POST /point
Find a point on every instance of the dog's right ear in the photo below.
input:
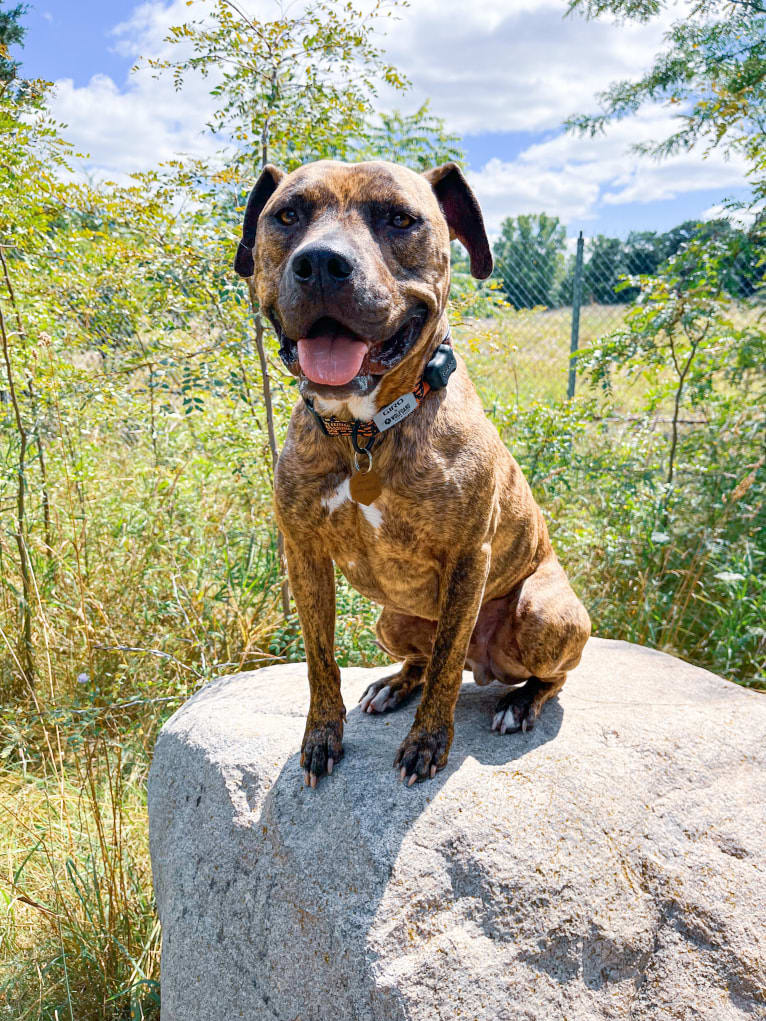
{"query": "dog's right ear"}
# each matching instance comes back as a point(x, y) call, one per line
point(463, 215)
point(264, 188)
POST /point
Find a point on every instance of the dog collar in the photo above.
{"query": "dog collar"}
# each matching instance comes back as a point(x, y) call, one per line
point(435, 376)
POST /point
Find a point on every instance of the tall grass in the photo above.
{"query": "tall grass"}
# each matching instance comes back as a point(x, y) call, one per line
point(78, 930)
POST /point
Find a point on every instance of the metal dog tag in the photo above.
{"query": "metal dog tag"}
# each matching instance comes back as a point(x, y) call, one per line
point(395, 412)
point(365, 487)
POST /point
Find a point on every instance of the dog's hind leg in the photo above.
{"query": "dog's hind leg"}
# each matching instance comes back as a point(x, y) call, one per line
point(539, 640)
point(520, 707)
point(390, 692)
point(409, 639)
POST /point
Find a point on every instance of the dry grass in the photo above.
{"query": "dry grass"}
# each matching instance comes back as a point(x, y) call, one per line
point(78, 934)
point(522, 355)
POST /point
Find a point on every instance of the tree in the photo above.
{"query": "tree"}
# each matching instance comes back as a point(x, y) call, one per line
point(469, 297)
point(417, 140)
point(740, 258)
point(12, 33)
point(29, 197)
point(683, 337)
point(713, 72)
point(291, 89)
point(604, 267)
point(528, 255)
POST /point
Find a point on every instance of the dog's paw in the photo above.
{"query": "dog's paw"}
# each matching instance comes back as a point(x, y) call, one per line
point(387, 694)
point(322, 747)
point(519, 709)
point(422, 753)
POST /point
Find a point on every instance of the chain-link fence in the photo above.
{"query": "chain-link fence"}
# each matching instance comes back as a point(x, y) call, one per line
point(545, 303)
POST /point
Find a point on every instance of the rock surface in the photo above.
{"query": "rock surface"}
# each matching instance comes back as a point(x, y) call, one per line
point(609, 864)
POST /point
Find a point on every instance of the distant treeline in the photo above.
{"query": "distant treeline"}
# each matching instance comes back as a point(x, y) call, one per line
point(532, 266)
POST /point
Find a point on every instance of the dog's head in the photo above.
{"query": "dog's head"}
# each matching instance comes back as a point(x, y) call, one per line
point(352, 267)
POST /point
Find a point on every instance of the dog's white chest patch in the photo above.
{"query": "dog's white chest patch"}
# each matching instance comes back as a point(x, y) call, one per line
point(332, 501)
point(372, 513)
point(339, 496)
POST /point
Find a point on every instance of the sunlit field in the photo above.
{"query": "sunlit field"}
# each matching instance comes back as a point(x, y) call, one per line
point(521, 356)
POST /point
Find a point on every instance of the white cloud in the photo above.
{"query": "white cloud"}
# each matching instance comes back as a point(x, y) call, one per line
point(489, 66)
point(570, 176)
point(514, 65)
point(569, 191)
point(126, 130)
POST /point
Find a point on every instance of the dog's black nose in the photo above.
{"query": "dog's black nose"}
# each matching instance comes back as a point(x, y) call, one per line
point(321, 264)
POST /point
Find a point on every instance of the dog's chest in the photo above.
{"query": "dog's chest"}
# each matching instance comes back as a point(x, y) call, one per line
point(383, 548)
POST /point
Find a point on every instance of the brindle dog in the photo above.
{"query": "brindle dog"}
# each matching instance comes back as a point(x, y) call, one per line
point(352, 267)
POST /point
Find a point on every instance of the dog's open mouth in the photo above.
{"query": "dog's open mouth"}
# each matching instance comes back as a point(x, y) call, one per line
point(332, 354)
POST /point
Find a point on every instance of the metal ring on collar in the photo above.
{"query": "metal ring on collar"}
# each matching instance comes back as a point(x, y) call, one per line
point(369, 460)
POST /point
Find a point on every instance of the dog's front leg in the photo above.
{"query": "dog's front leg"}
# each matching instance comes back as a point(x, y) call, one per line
point(427, 745)
point(312, 580)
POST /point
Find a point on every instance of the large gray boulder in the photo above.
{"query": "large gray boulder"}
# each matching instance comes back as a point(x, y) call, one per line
point(608, 864)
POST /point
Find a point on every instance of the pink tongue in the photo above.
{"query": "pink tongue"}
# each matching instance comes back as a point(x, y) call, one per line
point(332, 360)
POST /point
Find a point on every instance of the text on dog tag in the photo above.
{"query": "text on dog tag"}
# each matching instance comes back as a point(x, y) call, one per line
point(395, 412)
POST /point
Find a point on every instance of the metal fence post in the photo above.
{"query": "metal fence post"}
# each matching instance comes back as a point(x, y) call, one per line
point(576, 302)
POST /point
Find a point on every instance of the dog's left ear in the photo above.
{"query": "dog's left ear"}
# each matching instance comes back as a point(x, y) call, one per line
point(463, 215)
point(264, 188)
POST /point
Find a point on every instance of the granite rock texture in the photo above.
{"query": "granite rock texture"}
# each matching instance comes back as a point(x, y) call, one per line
point(611, 863)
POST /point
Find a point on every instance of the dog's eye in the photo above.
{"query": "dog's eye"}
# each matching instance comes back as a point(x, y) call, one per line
point(287, 217)
point(401, 220)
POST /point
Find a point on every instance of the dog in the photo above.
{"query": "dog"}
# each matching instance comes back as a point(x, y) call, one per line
point(390, 469)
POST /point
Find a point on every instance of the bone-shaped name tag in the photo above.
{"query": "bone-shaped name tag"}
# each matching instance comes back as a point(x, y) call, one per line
point(395, 412)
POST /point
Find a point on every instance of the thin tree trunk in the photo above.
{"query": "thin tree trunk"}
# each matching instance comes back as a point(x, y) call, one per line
point(271, 431)
point(36, 411)
point(25, 638)
point(266, 385)
point(266, 379)
point(682, 373)
point(45, 501)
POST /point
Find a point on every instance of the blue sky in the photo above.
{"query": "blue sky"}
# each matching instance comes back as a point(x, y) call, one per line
point(504, 73)
point(71, 40)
